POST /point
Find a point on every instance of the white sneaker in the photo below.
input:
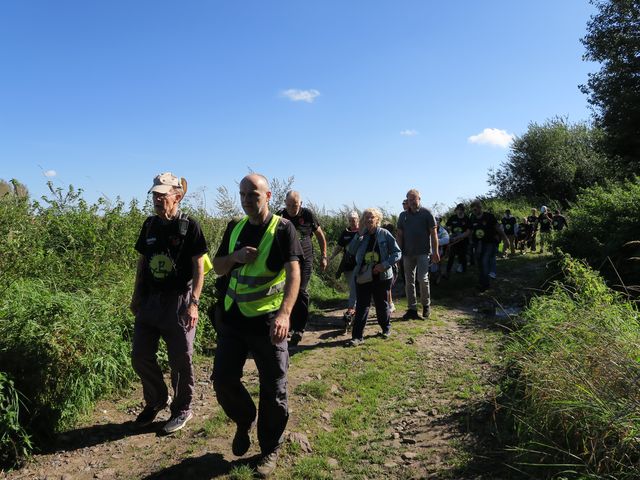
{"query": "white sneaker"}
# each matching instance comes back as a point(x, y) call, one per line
point(177, 422)
point(492, 275)
point(459, 269)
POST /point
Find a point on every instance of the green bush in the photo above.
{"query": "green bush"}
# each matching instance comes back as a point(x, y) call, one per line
point(575, 367)
point(64, 350)
point(603, 219)
point(15, 443)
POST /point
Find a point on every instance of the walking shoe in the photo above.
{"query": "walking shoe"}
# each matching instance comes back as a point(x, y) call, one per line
point(460, 269)
point(386, 334)
point(267, 464)
point(426, 312)
point(149, 413)
point(411, 314)
point(242, 440)
point(295, 339)
point(392, 307)
point(177, 422)
point(492, 275)
point(354, 342)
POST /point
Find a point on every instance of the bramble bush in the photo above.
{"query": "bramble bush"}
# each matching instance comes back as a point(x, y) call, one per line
point(603, 220)
point(574, 364)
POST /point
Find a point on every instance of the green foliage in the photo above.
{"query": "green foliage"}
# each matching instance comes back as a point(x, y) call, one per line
point(613, 41)
point(575, 365)
point(64, 350)
point(603, 220)
point(15, 442)
point(553, 160)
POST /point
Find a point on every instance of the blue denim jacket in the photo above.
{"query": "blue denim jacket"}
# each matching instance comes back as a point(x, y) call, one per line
point(389, 251)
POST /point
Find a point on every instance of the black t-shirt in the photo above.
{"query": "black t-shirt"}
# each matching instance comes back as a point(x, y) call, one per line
point(559, 222)
point(509, 225)
point(523, 230)
point(533, 222)
point(372, 254)
point(484, 228)
point(347, 263)
point(168, 253)
point(545, 222)
point(345, 237)
point(457, 226)
point(286, 248)
point(305, 223)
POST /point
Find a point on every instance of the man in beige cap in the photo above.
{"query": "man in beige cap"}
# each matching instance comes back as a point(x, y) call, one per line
point(165, 302)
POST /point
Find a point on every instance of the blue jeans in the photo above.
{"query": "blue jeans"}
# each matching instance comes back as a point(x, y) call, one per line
point(485, 258)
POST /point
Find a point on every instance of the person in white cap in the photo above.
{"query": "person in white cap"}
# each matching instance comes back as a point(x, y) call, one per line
point(165, 302)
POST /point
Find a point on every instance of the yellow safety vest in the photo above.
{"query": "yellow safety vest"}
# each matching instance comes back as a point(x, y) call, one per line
point(256, 289)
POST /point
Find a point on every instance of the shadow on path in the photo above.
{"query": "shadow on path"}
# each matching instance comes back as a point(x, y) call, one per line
point(210, 465)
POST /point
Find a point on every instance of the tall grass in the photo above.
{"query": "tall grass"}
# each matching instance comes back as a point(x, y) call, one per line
point(576, 371)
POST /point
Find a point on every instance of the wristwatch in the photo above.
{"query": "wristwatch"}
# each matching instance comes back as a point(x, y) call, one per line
point(194, 301)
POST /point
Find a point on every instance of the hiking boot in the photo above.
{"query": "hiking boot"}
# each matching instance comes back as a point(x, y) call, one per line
point(267, 464)
point(411, 314)
point(426, 312)
point(354, 342)
point(241, 440)
point(177, 422)
point(149, 413)
point(295, 339)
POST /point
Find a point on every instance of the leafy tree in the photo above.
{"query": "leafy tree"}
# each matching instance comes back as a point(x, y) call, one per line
point(553, 160)
point(613, 40)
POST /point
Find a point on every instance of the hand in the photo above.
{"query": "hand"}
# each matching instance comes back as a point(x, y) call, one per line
point(378, 268)
point(245, 255)
point(279, 328)
point(192, 316)
point(324, 263)
point(435, 257)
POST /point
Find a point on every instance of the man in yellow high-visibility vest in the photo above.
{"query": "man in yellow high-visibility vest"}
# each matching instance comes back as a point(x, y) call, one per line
point(259, 258)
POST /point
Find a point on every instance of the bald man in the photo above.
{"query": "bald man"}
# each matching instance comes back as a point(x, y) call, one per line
point(306, 223)
point(259, 258)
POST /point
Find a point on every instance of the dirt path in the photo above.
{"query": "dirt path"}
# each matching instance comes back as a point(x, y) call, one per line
point(436, 431)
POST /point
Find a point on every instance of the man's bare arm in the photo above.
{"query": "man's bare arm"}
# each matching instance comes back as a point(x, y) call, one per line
point(435, 254)
point(223, 265)
point(322, 241)
point(280, 323)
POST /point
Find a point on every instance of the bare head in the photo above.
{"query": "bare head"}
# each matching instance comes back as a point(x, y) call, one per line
point(293, 203)
point(476, 207)
point(413, 199)
point(255, 194)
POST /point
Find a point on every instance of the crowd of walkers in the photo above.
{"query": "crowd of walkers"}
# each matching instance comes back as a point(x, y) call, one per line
point(264, 264)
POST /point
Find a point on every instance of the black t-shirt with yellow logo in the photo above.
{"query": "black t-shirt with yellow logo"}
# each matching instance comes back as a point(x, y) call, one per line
point(484, 228)
point(168, 253)
point(509, 225)
point(457, 226)
point(544, 221)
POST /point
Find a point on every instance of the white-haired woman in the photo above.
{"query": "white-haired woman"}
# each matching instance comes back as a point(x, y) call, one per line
point(347, 263)
point(376, 251)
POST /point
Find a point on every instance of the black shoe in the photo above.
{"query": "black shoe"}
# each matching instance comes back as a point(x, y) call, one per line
point(411, 314)
point(295, 339)
point(241, 440)
point(267, 464)
point(149, 413)
point(426, 312)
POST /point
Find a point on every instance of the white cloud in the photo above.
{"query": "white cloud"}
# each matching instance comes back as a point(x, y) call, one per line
point(409, 133)
point(50, 173)
point(492, 136)
point(296, 95)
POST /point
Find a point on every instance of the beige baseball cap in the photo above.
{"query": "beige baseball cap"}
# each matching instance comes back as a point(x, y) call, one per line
point(165, 182)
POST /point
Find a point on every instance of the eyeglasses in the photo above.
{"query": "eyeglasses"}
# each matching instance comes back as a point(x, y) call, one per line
point(162, 196)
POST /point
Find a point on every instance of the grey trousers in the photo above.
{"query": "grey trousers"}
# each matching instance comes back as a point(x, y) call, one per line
point(272, 362)
point(162, 315)
point(416, 264)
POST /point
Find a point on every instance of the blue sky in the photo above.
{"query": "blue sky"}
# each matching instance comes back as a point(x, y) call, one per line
point(359, 100)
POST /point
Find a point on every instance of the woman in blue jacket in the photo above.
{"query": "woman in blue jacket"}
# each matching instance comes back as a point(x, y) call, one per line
point(376, 252)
